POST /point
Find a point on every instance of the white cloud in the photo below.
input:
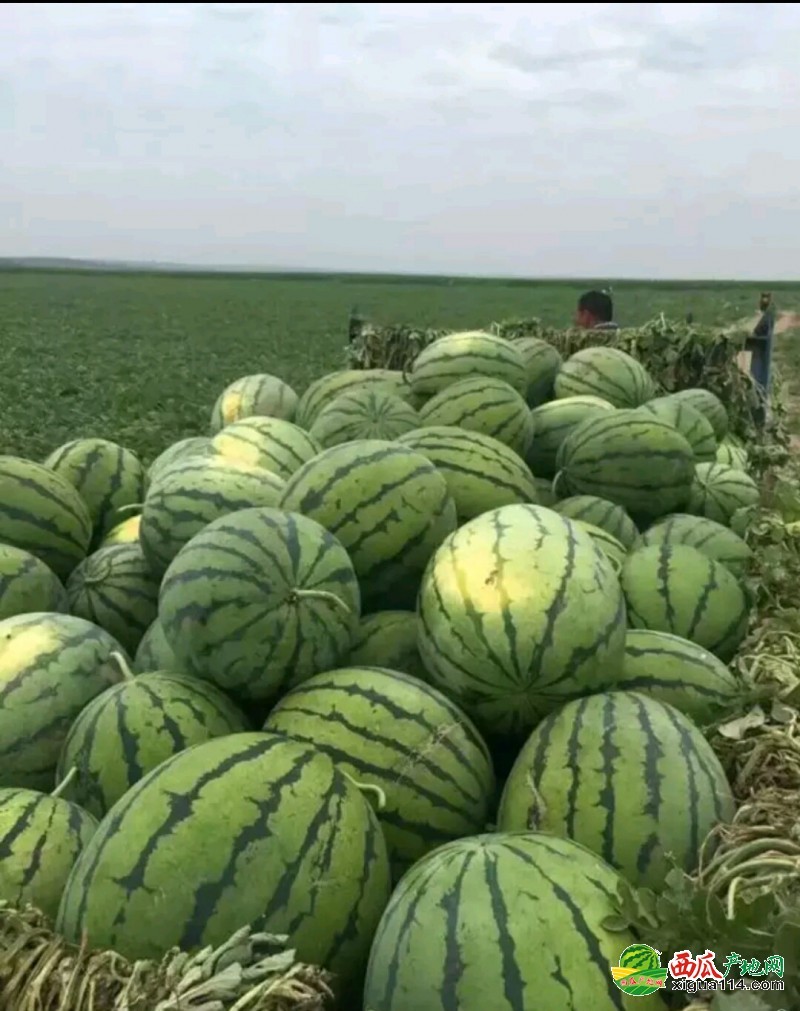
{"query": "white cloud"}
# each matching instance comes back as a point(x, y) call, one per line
point(609, 139)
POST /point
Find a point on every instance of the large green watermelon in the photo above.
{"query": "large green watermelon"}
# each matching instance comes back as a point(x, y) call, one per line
point(260, 394)
point(709, 537)
point(518, 610)
point(552, 423)
point(631, 778)
point(28, 584)
point(503, 922)
point(363, 413)
point(482, 404)
point(270, 443)
point(248, 829)
point(605, 372)
point(471, 353)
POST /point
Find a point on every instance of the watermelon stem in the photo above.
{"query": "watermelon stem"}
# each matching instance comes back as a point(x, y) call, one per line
point(378, 793)
point(122, 663)
point(130, 508)
point(296, 595)
point(73, 772)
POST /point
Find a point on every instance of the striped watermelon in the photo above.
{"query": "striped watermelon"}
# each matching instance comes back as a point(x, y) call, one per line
point(519, 609)
point(600, 513)
point(271, 443)
point(263, 395)
point(107, 477)
point(195, 445)
point(115, 588)
point(627, 776)
point(388, 639)
point(41, 836)
point(154, 652)
point(482, 473)
point(675, 588)
point(367, 412)
point(41, 512)
point(471, 353)
point(132, 727)
point(248, 829)
point(542, 362)
point(258, 601)
point(718, 491)
point(731, 453)
point(613, 549)
point(639, 956)
point(51, 666)
point(640, 463)
point(707, 403)
point(552, 423)
point(396, 733)
point(504, 922)
point(544, 492)
point(322, 391)
point(486, 405)
point(388, 506)
point(709, 537)
point(605, 372)
point(126, 532)
point(674, 670)
point(27, 584)
point(192, 493)
point(693, 426)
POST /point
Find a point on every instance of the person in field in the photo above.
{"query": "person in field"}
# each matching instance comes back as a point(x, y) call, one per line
point(595, 311)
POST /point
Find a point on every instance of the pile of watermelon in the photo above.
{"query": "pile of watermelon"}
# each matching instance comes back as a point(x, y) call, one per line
point(412, 669)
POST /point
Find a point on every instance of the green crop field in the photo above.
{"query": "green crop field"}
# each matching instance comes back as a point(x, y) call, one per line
point(140, 358)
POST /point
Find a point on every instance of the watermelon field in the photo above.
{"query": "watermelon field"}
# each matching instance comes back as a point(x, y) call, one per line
point(445, 663)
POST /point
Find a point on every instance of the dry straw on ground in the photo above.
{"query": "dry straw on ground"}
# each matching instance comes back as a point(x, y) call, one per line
point(39, 971)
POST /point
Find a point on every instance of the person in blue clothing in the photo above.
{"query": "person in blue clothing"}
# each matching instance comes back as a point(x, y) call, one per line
point(595, 311)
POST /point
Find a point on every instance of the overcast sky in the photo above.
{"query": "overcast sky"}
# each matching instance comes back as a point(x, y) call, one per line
point(655, 140)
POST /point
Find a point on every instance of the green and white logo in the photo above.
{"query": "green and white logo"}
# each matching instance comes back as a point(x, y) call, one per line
point(639, 972)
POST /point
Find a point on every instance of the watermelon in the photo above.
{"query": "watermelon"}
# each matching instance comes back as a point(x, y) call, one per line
point(394, 732)
point(271, 443)
point(693, 426)
point(627, 776)
point(709, 537)
point(675, 588)
point(116, 589)
point(518, 610)
point(254, 395)
point(27, 584)
point(363, 413)
point(322, 391)
point(192, 493)
point(388, 639)
point(732, 453)
point(718, 491)
point(469, 354)
point(41, 836)
point(258, 601)
point(248, 829)
point(600, 513)
point(51, 666)
point(613, 549)
point(481, 472)
point(482, 404)
point(195, 445)
point(605, 372)
point(154, 652)
point(125, 532)
point(504, 922)
point(41, 512)
point(132, 727)
point(639, 956)
point(107, 477)
point(389, 507)
point(552, 423)
point(707, 403)
point(542, 362)
point(677, 671)
point(641, 463)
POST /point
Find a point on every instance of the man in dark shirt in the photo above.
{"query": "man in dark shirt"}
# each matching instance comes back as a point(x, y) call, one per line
point(595, 311)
